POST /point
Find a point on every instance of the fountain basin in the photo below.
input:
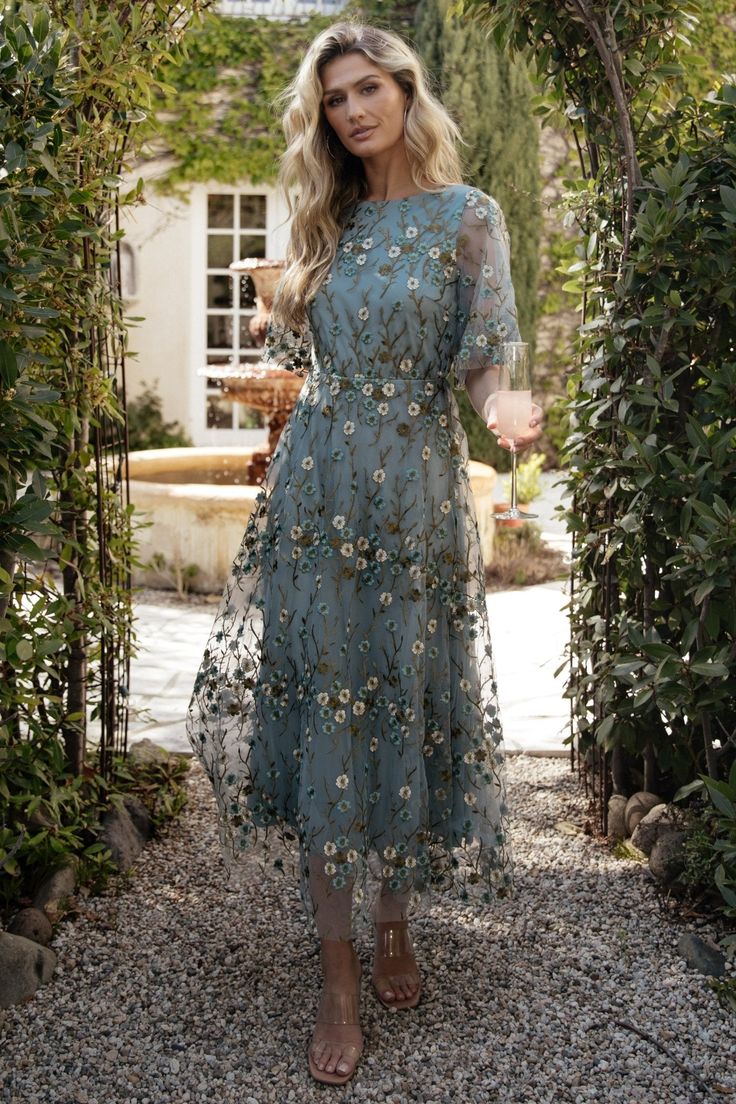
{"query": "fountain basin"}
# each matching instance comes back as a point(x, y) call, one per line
point(197, 503)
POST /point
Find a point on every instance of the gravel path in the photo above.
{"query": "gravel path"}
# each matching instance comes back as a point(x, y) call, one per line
point(174, 990)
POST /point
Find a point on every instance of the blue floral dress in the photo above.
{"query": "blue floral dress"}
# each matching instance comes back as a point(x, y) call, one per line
point(346, 707)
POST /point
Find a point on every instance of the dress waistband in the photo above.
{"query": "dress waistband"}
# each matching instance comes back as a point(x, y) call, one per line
point(359, 379)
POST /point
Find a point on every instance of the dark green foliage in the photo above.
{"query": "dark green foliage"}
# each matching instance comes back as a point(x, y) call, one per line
point(653, 404)
point(69, 96)
point(146, 426)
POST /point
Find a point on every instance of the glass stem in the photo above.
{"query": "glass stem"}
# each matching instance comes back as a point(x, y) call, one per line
point(513, 477)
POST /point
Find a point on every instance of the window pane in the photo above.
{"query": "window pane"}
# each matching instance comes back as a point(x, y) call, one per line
point(247, 417)
point(219, 330)
point(253, 212)
point(220, 210)
point(252, 245)
point(221, 361)
point(247, 293)
point(219, 291)
point(219, 250)
point(219, 413)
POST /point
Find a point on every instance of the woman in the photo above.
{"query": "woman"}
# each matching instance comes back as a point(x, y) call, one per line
point(346, 708)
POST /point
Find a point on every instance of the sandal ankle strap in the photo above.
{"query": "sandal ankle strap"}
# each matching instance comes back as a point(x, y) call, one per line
point(393, 940)
point(339, 1008)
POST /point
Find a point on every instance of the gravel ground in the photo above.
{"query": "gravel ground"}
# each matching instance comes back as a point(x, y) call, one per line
point(173, 990)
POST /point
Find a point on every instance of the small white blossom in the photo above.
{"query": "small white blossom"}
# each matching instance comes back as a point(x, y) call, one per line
point(373, 745)
point(352, 855)
point(470, 799)
point(464, 684)
point(339, 716)
point(389, 389)
point(367, 388)
point(445, 506)
point(361, 563)
point(342, 782)
point(394, 251)
point(372, 682)
point(338, 521)
point(413, 409)
point(367, 243)
point(426, 452)
point(404, 792)
point(296, 552)
point(379, 475)
point(358, 708)
point(411, 231)
point(386, 598)
point(330, 869)
point(348, 428)
point(344, 694)
point(431, 625)
point(389, 852)
point(381, 555)
point(406, 364)
point(417, 647)
point(296, 532)
point(382, 408)
point(346, 548)
point(307, 463)
point(330, 848)
point(412, 283)
point(363, 313)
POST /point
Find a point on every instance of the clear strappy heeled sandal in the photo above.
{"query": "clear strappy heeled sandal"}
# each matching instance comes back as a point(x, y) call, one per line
point(394, 943)
point(337, 1008)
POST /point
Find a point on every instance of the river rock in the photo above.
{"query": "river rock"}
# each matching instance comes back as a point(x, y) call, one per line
point(638, 806)
point(616, 819)
point(662, 818)
point(58, 883)
point(140, 816)
point(667, 858)
point(119, 832)
point(24, 967)
point(145, 751)
point(32, 924)
point(702, 956)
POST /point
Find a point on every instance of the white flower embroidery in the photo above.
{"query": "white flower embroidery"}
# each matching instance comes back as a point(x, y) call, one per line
point(367, 388)
point(346, 548)
point(348, 247)
point(426, 452)
point(379, 475)
point(464, 684)
point(389, 852)
point(323, 698)
point(360, 259)
point(373, 745)
point(296, 532)
point(361, 563)
point(342, 782)
point(394, 251)
point(307, 463)
point(330, 848)
point(363, 313)
point(431, 625)
point(404, 792)
point(372, 682)
point(389, 389)
point(381, 555)
point(411, 231)
point(352, 856)
point(445, 506)
point(296, 552)
point(382, 408)
point(412, 283)
point(348, 428)
point(339, 717)
point(283, 616)
point(434, 252)
point(470, 799)
point(358, 708)
point(386, 598)
point(330, 869)
point(413, 409)
point(362, 543)
point(406, 364)
point(344, 694)
point(338, 521)
point(417, 647)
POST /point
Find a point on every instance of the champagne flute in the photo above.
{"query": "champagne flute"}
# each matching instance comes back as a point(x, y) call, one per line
point(514, 411)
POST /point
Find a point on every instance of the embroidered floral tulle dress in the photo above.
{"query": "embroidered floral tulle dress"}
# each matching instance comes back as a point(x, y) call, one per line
point(346, 707)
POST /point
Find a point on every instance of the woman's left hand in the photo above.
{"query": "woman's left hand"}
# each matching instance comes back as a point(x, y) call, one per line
point(519, 444)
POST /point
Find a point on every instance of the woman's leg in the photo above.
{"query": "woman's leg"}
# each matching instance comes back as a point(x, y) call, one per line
point(335, 1046)
point(395, 972)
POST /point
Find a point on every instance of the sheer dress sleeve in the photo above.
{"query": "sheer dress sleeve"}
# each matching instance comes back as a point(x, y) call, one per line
point(486, 301)
point(287, 348)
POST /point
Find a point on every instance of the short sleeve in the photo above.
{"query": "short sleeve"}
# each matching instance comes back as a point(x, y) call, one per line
point(486, 302)
point(287, 348)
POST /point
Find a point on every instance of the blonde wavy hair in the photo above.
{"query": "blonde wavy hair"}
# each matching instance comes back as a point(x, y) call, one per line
point(326, 176)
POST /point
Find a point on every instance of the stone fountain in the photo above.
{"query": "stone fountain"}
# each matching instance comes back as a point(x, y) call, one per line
point(261, 386)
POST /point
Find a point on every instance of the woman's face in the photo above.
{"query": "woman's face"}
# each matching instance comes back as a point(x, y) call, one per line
point(359, 94)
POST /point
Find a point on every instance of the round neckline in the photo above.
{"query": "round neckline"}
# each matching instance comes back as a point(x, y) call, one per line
point(397, 199)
